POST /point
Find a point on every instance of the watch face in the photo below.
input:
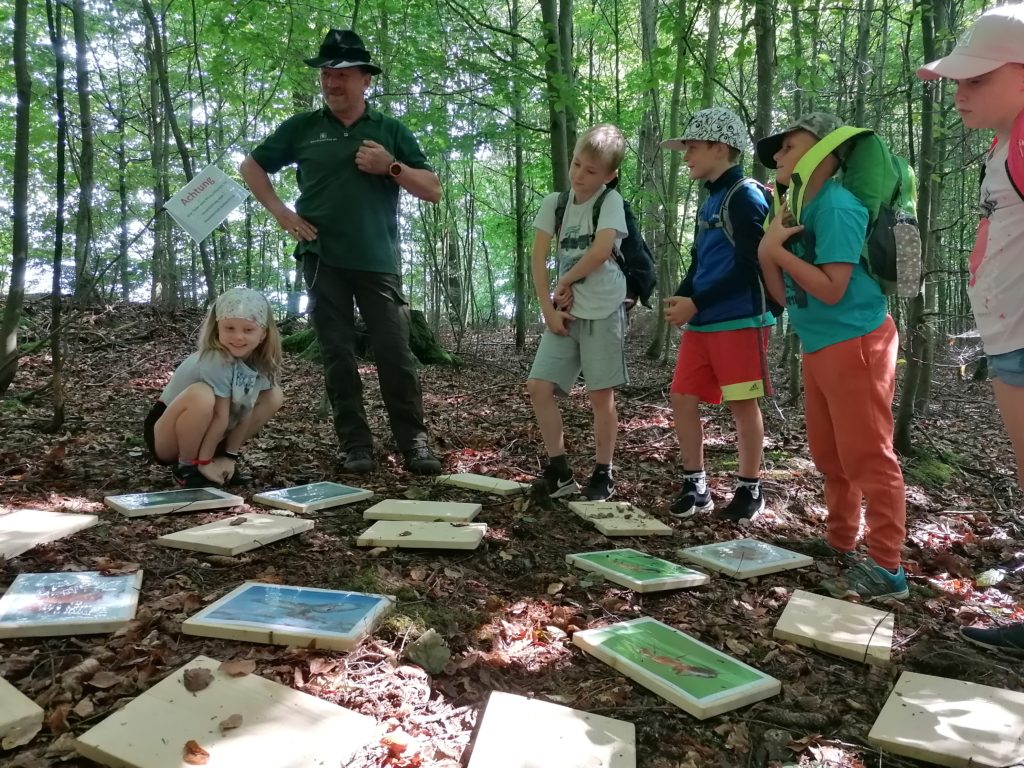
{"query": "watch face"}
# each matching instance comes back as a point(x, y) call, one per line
point(395, 168)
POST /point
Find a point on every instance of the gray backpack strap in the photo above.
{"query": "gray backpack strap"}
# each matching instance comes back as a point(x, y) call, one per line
point(563, 201)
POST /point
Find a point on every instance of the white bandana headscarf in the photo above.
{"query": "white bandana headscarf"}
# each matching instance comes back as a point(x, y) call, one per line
point(243, 303)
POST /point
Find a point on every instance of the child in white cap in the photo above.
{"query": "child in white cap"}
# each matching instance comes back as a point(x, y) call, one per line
point(988, 67)
point(220, 395)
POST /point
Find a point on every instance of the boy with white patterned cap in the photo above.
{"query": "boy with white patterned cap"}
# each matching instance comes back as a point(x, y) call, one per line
point(988, 67)
point(721, 301)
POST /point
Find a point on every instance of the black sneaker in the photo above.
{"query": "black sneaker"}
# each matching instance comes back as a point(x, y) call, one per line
point(1008, 640)
point(743, 505)
point(551, 484)
point(189, 476)
point(601, 485)
point(689, 502)
point(239, 478)
point(422, 461)
point(359, 461)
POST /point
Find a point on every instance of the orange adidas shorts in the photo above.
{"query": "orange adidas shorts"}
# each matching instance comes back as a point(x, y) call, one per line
point(723, 365)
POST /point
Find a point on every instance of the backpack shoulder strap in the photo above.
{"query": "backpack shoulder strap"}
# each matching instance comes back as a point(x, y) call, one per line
point(813, 158)
point(597, 207)
point(723, 214)
point(563, 201)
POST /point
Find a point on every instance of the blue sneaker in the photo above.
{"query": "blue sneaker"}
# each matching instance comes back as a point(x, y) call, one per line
point(867, 580)
point(1008, 639)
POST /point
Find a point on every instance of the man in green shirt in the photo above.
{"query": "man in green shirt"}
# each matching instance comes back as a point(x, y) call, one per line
point(352, 163)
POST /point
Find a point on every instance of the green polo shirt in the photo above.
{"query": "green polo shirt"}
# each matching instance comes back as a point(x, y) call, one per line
point(355, 213)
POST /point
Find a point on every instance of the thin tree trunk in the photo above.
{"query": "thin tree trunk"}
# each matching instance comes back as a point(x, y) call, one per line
point(521, 265)
point(555, 79)
point(55, 24)
point(84, 289)
point(764, 39)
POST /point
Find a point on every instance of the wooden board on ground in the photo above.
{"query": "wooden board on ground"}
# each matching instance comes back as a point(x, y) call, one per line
point(22, 529)
point(851, 630)
point(557, 736)
point(277, 727)
point(951, 723)
point(312, 497)
point(638, 570)
point(425, 511)
point(167, 502)
point(234, 535)
point(484, 483)
point(619, 518)
point(20, 717)
point(407, 534)
point(74, 603)
point(745, 558)
point(697, 678)
point(284, 615)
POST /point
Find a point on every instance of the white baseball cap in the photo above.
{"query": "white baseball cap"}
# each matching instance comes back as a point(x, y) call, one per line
point(995, 39)
point(712, 124)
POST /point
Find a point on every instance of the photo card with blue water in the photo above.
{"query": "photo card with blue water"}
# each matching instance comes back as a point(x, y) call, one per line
point(169, 502)
point(311, 497)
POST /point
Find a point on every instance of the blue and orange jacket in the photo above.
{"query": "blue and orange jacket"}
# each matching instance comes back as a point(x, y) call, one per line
point(724, 279)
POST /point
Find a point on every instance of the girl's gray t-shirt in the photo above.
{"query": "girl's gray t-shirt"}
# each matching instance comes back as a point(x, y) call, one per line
point(227, 376)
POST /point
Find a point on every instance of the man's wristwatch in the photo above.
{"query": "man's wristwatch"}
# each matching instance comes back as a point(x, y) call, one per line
point(395, 169)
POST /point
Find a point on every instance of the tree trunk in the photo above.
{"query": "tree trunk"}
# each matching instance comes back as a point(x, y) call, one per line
point(764, 40)
point(84, 289)
point(521, 266)
point(19, 201)
point(554, 69)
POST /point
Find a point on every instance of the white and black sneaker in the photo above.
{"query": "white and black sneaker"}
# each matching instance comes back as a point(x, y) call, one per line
point(690, 501)
point(601, 485)
point(556, 485)
point(745, 505)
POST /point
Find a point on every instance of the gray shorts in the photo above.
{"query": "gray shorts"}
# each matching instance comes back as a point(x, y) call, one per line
point(593, 347)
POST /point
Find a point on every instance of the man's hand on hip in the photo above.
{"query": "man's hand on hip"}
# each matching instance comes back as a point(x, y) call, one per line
point(373, 158)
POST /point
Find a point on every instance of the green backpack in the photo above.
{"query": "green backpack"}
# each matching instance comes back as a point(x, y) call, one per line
point(886, 185)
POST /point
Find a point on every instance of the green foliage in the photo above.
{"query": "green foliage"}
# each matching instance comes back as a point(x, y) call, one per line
point(933, 471)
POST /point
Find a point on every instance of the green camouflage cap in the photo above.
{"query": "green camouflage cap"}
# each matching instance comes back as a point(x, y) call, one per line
point(821, 124)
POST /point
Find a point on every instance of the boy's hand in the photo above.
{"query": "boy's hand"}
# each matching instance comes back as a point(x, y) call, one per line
point(782, 228)
point(562, 297)
point(679, 310)
point(558, 322)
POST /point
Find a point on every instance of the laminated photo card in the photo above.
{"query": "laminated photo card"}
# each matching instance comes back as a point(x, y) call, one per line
point(283, 615)
point(312, 497)
point(484, 483)
point(22, 529)
point(235, 535)
point(637, 570)
point(168, 502)
point(79, 603)
point(697, 678)
point(424, 511)
point(619, 518)
point(745, 558)
point(851, 630)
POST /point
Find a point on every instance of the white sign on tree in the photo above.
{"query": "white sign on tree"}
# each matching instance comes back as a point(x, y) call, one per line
point(202, 204)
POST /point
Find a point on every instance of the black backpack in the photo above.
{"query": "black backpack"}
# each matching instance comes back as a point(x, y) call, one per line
point(632, 255)
point(768, 304)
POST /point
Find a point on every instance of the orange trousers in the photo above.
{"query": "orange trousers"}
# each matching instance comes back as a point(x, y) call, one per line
point(848, 392)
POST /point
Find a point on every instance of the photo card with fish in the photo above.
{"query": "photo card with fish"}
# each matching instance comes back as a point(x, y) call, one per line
point(699, 679)
point(637, 570)
point(485, 483)
point(283, 615)
point(312, 497)
point(73, 603)
point(168, 502)
point(745, 558)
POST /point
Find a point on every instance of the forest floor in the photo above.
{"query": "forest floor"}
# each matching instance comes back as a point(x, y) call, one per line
point(506, 610)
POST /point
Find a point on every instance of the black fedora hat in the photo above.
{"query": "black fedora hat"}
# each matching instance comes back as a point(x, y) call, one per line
point(343, 48)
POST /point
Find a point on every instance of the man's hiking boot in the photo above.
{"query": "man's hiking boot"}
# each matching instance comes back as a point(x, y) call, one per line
point(555, 484)
point(359, 461)
point(601, 486)
point(422, 461)
point(1008, 640)
point(867, 580)
point(189, 476)
point(743, 506)
point(688, 502)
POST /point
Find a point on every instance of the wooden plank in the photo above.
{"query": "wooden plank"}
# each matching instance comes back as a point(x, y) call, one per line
point(73, 603)
point(280, 727)
point(234, 535)
point(20, 717)
point(619, 518)
point(558, 736)
point(484, 483)
point(851, 630)
point(637, 570)
point(745, 558)
point(22, 529)
point(951, 723)
point(404, 534)
point(168, 502)
point(425, 511)
point(312, 497)
point(285, 615)
point(697, 678)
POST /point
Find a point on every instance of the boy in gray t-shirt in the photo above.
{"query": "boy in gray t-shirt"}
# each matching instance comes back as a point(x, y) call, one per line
point(584, 315)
